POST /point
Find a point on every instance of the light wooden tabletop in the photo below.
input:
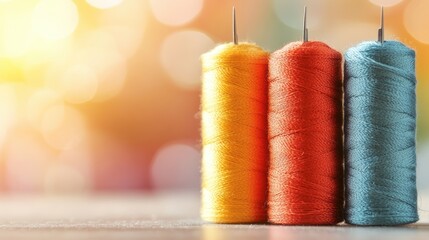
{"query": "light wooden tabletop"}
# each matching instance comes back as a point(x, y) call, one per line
point(157, 216)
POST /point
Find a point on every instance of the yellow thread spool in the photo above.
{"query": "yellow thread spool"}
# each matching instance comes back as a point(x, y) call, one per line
point(234, 134)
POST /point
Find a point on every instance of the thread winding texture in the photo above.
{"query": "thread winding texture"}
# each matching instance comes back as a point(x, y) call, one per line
point(305, 135)
point(234, 134)
point(380, 121)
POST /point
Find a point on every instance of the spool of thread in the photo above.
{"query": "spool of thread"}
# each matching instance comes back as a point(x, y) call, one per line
point(234, 134)
point(380, 121)
point(305, 135)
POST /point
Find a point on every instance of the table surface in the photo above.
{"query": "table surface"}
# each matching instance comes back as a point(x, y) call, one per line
point(157, 216)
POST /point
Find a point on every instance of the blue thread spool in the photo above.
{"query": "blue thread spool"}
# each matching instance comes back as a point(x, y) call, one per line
point(380, 121)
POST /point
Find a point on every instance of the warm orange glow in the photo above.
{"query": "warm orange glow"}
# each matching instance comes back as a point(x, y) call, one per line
point(100, 94)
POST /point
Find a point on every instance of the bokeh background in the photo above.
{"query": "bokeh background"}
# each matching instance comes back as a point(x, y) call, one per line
point(103, 95)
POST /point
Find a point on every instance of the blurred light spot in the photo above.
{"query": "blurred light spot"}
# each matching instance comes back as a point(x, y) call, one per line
point(15, 32)
point(176, 166)
point(291, 13)
point(26, 161)
point(175, 13)
point(103, 4)
point(100, 52)
point(38, 102)
point(385, 3)
point(8, 106)
point(74, 163)
point(127, 39)
point(125, 25)
point(63, 127)
point(79, 84)
point(79, 158)
point(55, 19)
point(416, 20)
point(53, 117)
point(44, 52)
point(111, 74)
point(180, 57)
point(130, 13)
point(118, 166)
point(61, 178)
point(96, 65)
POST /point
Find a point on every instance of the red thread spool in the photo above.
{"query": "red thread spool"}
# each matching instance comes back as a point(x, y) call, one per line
point(305, 135)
